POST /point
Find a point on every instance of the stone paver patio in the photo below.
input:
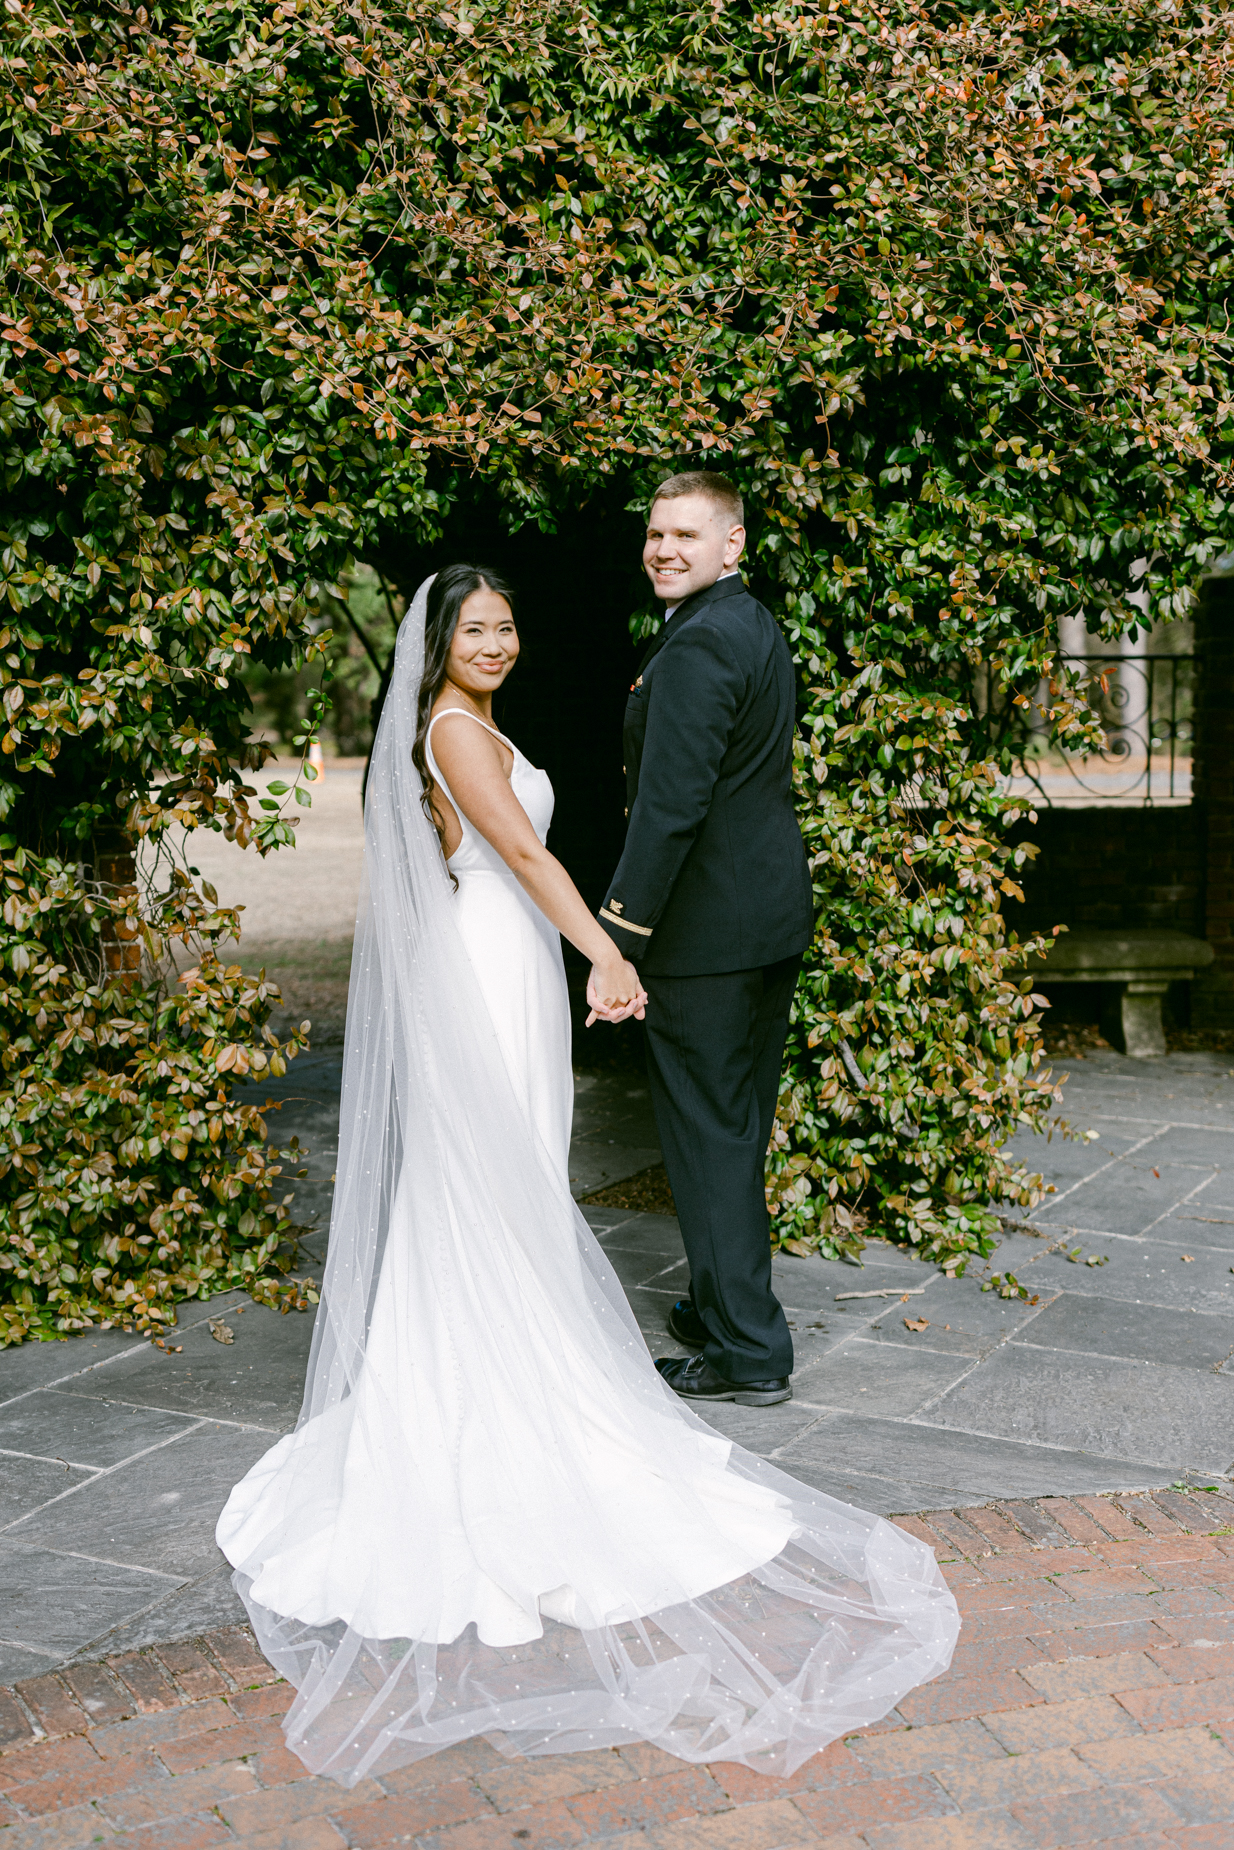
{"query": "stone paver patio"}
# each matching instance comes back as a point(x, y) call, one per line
point(118, 1456)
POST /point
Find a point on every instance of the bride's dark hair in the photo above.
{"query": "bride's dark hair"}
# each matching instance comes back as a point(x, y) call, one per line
point(447, 594)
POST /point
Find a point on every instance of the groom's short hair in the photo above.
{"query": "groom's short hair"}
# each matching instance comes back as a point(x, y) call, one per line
point(717, 488)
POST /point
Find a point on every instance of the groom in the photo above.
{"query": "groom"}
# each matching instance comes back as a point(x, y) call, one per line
point(712, 901)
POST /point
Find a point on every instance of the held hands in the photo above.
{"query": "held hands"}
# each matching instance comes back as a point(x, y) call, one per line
point(615, 993)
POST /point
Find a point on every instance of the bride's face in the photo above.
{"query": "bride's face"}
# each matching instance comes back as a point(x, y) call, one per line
point(485, 645)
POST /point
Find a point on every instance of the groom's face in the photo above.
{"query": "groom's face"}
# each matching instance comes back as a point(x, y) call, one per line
point(690, 541)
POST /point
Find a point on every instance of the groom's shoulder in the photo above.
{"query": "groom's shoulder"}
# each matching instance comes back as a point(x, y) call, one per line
point(733, 611)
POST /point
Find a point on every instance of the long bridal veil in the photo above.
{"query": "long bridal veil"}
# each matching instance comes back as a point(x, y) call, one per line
point(493, 1517)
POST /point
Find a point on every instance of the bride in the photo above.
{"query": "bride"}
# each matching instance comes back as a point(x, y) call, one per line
point(494, 1517)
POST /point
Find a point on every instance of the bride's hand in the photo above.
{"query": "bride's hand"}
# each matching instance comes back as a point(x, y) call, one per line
point(615, 993)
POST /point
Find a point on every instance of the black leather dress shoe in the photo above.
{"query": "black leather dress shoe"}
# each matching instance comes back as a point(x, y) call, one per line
point(686, 1325)
point(696, 1379)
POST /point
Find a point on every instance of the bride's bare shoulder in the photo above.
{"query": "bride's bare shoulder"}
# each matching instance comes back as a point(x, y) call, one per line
point(475, 744)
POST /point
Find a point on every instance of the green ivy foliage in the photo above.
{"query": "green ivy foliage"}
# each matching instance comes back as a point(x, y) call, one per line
point(287, 283)
point(131, 1174)
point(915, 1047)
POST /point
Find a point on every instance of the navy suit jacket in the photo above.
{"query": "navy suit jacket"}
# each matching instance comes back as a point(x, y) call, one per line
point(714, 874)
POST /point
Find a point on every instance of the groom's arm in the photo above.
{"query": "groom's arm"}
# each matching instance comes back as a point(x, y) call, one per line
point(693, 700)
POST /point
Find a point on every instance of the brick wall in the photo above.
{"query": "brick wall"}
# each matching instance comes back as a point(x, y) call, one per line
point(1111, 868)
point(1213, 791)
point(1114, 867)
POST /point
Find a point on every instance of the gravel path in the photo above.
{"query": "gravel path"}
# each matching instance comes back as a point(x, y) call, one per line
point(306, 892)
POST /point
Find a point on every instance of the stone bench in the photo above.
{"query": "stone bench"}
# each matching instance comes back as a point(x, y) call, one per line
point(1138, 964)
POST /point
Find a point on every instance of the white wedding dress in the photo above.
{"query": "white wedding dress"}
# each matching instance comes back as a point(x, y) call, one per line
point(494, 1517)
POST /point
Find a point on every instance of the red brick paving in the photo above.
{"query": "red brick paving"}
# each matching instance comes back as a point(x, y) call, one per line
point(1091, 1702)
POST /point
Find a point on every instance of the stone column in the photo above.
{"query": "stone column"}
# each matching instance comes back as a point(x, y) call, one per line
point(1212, 788)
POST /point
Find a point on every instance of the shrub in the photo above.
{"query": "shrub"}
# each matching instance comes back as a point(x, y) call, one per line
point(913, 968)
point(131, 1173)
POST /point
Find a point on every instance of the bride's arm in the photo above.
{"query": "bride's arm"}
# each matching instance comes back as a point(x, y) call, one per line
point(471, 762)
